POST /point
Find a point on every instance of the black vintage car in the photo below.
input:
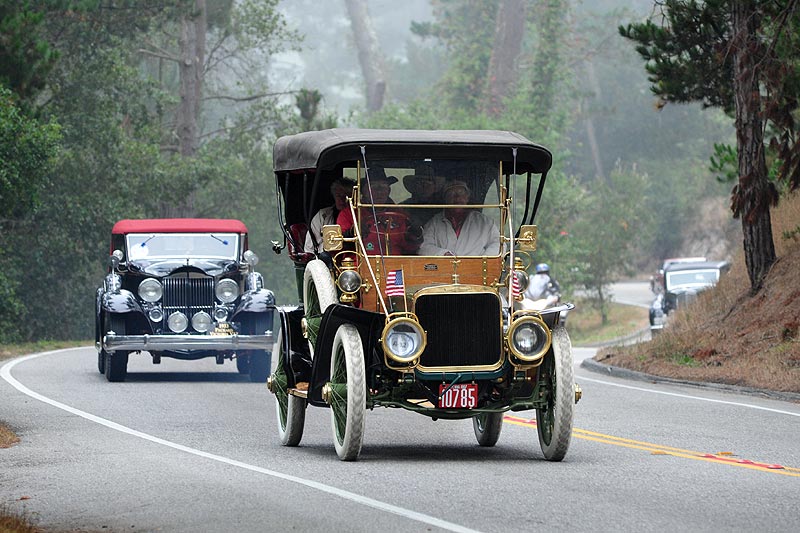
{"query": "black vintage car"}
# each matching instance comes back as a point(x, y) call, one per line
point(187, 289)
point(681, 282)
point(398, 311)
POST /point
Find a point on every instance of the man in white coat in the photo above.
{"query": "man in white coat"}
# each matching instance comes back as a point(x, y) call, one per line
point(458, 230)
point(340, 189)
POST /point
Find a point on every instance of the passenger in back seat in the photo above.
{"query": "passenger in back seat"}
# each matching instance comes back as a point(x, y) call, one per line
point(340, 189)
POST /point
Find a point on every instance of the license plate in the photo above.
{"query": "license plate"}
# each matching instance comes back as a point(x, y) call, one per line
point(461, 396)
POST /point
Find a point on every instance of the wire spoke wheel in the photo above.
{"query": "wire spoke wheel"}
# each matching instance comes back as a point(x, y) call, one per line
point(290, 410)
point(554, 421)
point(347, 392)
point(319, 293)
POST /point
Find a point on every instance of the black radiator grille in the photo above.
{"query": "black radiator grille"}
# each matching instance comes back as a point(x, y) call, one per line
point(189, 295)
point(463, 329)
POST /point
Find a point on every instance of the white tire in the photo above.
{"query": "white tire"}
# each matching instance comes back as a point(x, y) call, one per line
point(554, 423)
point(348, 393)
point(290, 410)
point(319, 293)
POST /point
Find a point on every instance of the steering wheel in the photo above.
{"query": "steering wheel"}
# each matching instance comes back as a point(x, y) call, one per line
point(391, 223)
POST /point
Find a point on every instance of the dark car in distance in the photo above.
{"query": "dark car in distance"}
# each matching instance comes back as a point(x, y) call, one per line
point(682, 282)
point(187, 289)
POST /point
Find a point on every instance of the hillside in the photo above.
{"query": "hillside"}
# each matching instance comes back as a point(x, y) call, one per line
point(729, 336)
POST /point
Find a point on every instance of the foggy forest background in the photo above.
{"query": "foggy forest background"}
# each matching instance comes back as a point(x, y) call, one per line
point(117, 125)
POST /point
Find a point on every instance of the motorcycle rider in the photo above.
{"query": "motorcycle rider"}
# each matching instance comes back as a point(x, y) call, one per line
point(542, 284)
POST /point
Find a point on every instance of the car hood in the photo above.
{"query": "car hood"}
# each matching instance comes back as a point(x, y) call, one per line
point(165, 267)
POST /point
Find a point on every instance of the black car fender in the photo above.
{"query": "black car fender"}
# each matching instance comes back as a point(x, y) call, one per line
point(256, 302)
point(370, 326)
point(122, 301)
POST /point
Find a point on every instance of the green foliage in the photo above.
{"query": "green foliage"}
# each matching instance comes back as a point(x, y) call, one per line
point(463, 29)
point(605, 237)
point(27, 149)
point(115, 160)
point(725, 163)
point(25, 57)
point(686, 55)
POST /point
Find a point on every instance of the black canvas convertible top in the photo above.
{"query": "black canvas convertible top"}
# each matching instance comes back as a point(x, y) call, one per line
point(322, 149)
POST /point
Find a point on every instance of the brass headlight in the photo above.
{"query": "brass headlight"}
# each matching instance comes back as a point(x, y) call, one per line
point(349, 281)
point(529, 338)
point(403, 340)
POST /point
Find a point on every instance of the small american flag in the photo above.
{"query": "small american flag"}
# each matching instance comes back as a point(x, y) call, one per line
point(515, 286)
point(394, 283)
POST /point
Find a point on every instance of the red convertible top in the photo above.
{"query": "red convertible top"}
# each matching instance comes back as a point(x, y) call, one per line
point(179, 225)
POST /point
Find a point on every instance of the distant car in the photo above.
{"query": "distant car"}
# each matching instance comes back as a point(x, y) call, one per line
point(657, 281)
point(683, 281)
point(186, 289)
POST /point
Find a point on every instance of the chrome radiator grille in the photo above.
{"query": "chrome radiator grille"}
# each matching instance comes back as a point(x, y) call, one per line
point(188, 294)
point(464, 329)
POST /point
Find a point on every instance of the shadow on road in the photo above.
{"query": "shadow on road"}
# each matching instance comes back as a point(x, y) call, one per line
point(184, 377)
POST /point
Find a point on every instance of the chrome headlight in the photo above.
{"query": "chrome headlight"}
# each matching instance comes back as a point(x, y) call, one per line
point(221, 314)
point(201, 322)
point(177, 322)
point(529, 338)
point(349, 281)
point(227, 290)
point(250, 258)
point(403, 340)
point(150, 290)
point(155, 314)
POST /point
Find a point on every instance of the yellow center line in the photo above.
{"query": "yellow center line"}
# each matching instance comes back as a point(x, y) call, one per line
point(657, 449)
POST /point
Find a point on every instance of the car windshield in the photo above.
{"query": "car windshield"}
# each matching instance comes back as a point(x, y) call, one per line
point(692, 277)
point(430, 207)
point(182, 245)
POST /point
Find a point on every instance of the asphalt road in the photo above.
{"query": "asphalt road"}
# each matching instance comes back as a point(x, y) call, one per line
point(190, 446)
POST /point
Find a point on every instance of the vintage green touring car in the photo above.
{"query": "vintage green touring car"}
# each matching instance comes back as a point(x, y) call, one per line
point(410, 283)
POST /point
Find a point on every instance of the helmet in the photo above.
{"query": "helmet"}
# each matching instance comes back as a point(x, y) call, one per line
point(542, 268)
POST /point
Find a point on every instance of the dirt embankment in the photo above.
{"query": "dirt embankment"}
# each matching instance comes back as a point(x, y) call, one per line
point(729, 335)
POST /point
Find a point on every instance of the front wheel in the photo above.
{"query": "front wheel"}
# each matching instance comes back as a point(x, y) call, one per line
point(487, 427)
point(290, 409)
point(554, 422)
point(319, 293)
point(347, 392)
point(116, 363)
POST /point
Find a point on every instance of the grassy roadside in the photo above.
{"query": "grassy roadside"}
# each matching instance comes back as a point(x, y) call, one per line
point(9, 351)
point(585, 325)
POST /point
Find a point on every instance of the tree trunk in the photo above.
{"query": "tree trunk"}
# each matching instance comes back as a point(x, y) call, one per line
point(590, 133)
point(369, 53)
point(752, 193)
point(508, 34)
point(190, 69)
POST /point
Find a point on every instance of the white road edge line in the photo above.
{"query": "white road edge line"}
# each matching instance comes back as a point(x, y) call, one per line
point(688, 396)
point(5, 373)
